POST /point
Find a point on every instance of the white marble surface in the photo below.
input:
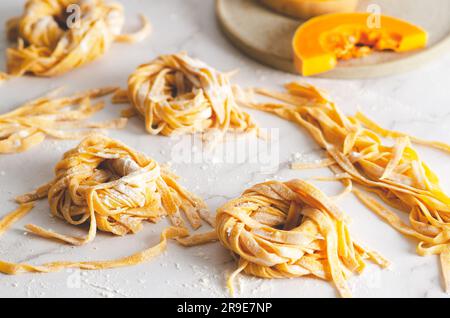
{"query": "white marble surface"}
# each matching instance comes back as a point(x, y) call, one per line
point(416, 102)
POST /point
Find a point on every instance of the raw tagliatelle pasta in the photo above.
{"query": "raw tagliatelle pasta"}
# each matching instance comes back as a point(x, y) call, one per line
point(177, 94)
point(115, 189)
point(290, 229)
point(395, 173)
point(29, 124)
point(54, 37)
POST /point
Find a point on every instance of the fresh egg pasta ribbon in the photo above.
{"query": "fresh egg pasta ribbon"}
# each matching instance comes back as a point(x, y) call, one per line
point(395, 173)
point(177, 94)
point(115, 189)
point(56, 36)
point(291, 229)
point(29, 124)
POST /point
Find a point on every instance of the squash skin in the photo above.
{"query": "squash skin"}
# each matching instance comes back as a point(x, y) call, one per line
point(305, 9)
point(311, 57)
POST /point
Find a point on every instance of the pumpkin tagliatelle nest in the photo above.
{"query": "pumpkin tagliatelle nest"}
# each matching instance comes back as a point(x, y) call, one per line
point(394, 173)
point(115, 189)
point(290, 229)
point(54, 37)
point(177, 94)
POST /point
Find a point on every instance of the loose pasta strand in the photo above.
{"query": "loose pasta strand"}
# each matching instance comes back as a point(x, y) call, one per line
point(56, 117)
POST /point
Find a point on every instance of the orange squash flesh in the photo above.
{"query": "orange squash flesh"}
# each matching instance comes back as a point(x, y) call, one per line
point(305, 9)
point(320, 42)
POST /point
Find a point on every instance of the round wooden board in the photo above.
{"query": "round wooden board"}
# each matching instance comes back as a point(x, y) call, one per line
point(266, 36)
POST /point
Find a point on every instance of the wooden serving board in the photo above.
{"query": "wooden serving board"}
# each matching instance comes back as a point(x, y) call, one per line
point(266, 36)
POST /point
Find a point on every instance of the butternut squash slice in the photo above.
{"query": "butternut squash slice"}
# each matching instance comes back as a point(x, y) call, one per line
point(305, 9)
point(319, 43)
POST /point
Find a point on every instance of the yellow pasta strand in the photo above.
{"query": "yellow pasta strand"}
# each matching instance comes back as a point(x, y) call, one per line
point(395, 173)
point(115, 189)
point(29, 124)
point(290, 229)
point(56, 36)
point(177, 94)
point(14, 216)
point(312, 165)
point(137, 258)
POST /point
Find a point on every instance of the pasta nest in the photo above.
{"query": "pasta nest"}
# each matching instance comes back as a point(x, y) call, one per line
point(395, 173)
point(290, 229)
point(177, 94)
point(56, 36)
point(116, 189)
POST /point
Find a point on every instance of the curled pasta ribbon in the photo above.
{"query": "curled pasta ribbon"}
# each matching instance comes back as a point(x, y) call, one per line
point(56, 36)
point(29, 124)
point(177, 94)
point(395, 173)
point(115, 189)
point(290, 229)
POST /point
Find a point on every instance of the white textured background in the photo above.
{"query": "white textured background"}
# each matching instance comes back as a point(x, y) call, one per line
point(417, 102)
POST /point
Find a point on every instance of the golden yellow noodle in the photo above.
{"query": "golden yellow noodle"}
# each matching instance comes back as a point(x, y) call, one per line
point(56, 36)
point(29, 124)
point(177, 94)
point(3, 77)
point(290, 229)
point(395, 173)
point(115, 189)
